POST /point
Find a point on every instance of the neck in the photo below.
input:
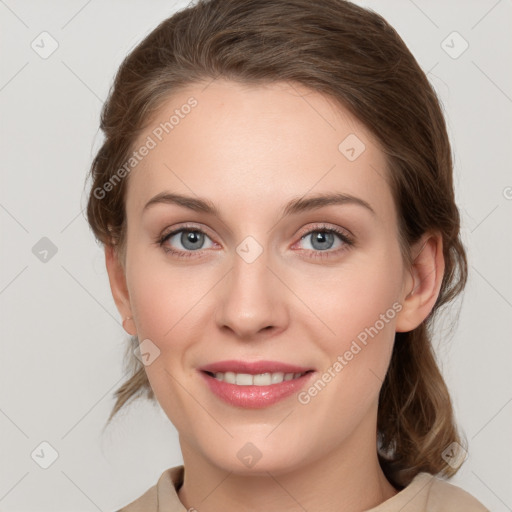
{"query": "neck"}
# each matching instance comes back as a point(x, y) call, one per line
point(347, 478)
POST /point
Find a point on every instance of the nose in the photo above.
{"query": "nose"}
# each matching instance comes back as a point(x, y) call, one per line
point(251, 300)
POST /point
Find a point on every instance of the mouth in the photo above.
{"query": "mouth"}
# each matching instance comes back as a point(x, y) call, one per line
point(259, 379)
point(254, 385)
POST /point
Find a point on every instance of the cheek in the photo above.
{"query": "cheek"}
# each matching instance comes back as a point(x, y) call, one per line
point(168, 306)
point(165, 304)
point(360, 296)
point(359, 306)
point(164, 297)
point(156, 304)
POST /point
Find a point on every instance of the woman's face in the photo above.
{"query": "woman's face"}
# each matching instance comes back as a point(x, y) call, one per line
point(260, 277)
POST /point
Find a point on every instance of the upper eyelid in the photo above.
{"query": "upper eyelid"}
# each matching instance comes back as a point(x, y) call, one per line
point(321, 226)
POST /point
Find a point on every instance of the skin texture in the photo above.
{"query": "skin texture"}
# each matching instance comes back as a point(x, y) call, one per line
point(250, 150)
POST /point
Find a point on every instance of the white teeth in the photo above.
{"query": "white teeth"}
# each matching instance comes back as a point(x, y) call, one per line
point(243, 379)
point(277, 377)
point(229, 377)
point(261, 379)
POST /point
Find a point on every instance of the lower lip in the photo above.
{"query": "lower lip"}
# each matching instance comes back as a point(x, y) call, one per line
point(255, 397)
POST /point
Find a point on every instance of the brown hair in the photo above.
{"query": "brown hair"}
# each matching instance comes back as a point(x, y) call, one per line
point(355, 57)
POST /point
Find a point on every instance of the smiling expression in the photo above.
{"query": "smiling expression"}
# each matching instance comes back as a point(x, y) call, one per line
point(253, 234)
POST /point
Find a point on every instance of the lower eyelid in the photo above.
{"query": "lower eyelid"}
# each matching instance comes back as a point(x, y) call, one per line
point(343, 244)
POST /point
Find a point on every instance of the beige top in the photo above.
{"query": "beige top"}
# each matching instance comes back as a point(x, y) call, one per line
point(426, 493)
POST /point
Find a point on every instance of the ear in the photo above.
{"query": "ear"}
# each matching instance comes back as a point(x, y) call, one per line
point(422, 283)
point(117, 279)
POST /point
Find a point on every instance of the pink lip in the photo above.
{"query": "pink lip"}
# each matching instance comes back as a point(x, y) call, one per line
point(253, 368)
point(254, 397)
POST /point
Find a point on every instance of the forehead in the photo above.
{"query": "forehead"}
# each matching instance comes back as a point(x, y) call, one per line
point(243, 145)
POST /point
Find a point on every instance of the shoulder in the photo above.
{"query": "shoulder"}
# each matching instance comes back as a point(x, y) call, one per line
point(161, 497)
point(428, 493)
point(449, 497)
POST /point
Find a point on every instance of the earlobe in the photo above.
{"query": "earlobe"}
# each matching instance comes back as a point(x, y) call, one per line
point(118, 287)
point(423, 282)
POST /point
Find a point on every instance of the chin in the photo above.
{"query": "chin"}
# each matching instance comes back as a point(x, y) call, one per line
point(256, 458)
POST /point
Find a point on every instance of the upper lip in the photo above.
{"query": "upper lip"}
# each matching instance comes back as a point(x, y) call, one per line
point(253, 367)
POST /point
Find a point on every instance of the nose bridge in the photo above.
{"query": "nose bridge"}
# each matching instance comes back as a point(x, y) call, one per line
point(251, 299)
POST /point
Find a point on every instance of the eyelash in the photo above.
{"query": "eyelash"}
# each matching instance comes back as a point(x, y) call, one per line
point(347, 240)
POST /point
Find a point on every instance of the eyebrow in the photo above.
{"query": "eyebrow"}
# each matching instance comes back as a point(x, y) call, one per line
point(295, 206)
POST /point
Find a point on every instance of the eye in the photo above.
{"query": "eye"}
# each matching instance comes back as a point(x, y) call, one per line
point(189, 241)
point(326, 240)
point(184, 241)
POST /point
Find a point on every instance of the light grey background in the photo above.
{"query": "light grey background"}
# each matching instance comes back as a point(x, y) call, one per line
point(62, 342)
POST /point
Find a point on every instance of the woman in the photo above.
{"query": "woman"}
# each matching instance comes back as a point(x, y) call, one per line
point(275, 198)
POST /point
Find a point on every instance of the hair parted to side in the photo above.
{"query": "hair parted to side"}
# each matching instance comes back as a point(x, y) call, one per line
point(355, 57)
